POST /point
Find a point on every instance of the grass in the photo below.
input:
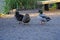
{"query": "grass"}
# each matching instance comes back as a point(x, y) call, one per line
point(19, 4)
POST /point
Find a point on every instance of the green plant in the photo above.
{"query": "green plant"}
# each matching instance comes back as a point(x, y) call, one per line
point(14, 4)
point(54, 5)
point(9, 4)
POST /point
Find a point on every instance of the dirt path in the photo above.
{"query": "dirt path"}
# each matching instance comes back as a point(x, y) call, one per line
point(11, 30)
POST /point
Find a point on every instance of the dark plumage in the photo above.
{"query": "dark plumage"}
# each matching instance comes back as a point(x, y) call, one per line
point(18, 16)
point(47, 18)
point(23, 18)
point(26, 18)
point(40, 11)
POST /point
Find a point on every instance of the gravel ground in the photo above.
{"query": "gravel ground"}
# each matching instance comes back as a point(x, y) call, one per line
point(11, 30)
